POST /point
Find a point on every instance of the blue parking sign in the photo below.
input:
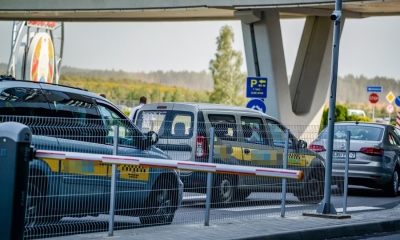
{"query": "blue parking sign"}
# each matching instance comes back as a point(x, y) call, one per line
point(256, 87)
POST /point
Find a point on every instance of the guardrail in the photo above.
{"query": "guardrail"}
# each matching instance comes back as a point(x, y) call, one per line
point(174, 164)
point(73, 174)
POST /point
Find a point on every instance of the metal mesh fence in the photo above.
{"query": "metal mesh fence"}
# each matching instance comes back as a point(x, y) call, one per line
point(70, 196)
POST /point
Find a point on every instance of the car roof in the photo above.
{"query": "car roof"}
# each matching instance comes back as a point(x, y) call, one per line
point(362, 123)
point(9, 81)
point(213, 106)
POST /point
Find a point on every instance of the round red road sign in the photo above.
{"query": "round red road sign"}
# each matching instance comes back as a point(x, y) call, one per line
point(373, 98)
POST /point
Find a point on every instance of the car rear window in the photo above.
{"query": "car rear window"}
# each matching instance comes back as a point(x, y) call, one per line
point(167, 124)
point(358, 132)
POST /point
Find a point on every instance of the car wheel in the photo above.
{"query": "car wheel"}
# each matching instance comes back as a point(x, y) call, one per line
point(162, 204)
point(393, 188)
point(242, 194)
point(313, 190)
point(223, 190)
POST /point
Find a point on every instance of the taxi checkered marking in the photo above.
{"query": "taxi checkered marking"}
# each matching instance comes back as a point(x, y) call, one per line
point(133, 172)
point(294, 155)
point(133, 168)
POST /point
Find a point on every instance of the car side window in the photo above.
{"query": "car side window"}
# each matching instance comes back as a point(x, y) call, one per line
point(277, 132)
point(397, 132)
point(225, 126)
point(253, 130)
point(110, 118)
point(71, 105)
point(21, 101)
point(393, 138)
point(76, 117)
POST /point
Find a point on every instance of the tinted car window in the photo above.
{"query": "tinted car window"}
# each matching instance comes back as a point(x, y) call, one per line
point(71, 105)
point(24, 102)
point(76, 117)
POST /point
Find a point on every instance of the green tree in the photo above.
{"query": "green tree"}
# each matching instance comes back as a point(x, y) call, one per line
point(177, 97)
point(168, 97)
point(225, 71)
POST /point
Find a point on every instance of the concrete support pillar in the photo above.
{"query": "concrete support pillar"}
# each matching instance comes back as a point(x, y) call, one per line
point(299, 102)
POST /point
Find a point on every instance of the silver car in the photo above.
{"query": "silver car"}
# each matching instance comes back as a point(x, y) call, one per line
point(373, 157)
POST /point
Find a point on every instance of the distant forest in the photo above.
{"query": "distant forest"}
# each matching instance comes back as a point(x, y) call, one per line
point(194, 80)
point(196, 86)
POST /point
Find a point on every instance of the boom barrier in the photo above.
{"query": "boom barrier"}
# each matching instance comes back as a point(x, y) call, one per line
point(174, 164)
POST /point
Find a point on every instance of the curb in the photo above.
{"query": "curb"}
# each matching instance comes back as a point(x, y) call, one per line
point(348, 230)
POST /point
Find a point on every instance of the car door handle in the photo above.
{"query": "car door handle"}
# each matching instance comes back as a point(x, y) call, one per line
point(246, 151)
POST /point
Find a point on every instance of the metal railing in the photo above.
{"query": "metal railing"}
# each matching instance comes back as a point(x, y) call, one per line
point(70, 195)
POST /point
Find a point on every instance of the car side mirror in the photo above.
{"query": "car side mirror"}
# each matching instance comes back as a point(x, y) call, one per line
point(302, 144)
point(153, 136)
point(151, 139)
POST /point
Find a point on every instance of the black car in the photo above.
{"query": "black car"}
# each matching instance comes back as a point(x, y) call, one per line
point(64, 118)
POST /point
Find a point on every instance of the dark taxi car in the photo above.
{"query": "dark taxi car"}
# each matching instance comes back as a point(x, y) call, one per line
point(70, 119)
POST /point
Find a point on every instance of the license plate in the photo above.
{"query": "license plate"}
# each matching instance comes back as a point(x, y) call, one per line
point(352, 155)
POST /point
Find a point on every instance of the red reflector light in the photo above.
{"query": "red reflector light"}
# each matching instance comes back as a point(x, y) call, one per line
point(161, 107)
point(316, 148)
point(201, 146)
point(372, 151)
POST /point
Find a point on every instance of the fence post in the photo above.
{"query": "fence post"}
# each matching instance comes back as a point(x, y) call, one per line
point(15, 154)
point(113, 181)
point(346, 172)
point(209, 179)
point(285, 160)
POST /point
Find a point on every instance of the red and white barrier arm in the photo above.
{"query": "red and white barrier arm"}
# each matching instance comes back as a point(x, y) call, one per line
point(173, 164)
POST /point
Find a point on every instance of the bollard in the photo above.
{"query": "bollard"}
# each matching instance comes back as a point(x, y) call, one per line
point(113, 183)
point(285, 161)
point(209, 180)
point(346, 173)
point(15, 154)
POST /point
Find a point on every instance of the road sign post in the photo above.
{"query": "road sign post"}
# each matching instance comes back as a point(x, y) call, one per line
point(256, 87)
point(390, 97)
point(374, 89)
point(390, 109)
point(257, 104)
point(373, 98)
point(397, 101)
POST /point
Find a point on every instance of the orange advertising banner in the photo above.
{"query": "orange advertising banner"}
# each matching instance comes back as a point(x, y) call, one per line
point(41, 24)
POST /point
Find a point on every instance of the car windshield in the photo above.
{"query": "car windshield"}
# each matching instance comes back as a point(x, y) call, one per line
point(358, 132)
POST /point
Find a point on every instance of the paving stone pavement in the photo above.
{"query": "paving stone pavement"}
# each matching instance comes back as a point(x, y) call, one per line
point(293, 226)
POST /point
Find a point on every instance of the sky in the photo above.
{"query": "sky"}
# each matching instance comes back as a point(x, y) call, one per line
point(368, 47)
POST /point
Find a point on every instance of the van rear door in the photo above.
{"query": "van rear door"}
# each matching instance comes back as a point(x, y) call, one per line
point(174, 126)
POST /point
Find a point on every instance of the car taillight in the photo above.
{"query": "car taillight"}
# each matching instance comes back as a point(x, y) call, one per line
point(372, 151)
point(201, 146)
point(316, 148)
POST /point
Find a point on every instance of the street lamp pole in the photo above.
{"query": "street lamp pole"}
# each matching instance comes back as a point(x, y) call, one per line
point(326, 207)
